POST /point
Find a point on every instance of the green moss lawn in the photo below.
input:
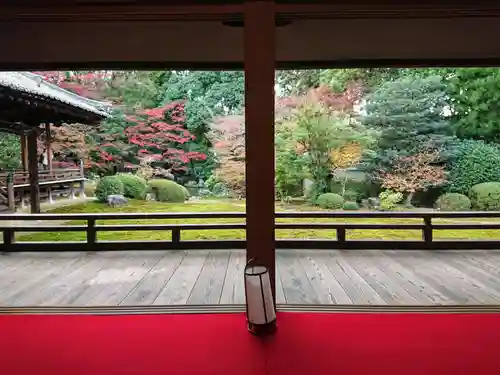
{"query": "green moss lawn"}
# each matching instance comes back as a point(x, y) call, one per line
point(231, 206)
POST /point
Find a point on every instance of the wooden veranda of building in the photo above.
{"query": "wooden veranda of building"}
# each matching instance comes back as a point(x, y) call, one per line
point(29, 106)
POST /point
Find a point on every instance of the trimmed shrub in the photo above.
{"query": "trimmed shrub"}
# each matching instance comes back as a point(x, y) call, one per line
point(475, 162)
point(109, 185)
point(219, 189)
point(453, 202)
point(134, 186)
point(350, 206)
point(351, 195)
point(168, 191)
point(485, 196)
point(389, 200)
point(211, 181)
point(330, 201)
point(186, 192)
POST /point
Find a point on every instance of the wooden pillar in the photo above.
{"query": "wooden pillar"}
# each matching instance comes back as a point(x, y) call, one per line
point(11, 197)
point(48, 146)
point(24, 153)
point(259, 47)
point(33, 172)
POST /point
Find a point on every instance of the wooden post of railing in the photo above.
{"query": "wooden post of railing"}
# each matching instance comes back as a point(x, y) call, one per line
point(48, 148)
point(33, 171)
point(11, 198)
point(91, 233)
point(8, 238)
point(50, 197)
point(341, 234)
point(24, 152)
point(176, 236)
point(82, 168)
point(82, 183)
point(427, 231)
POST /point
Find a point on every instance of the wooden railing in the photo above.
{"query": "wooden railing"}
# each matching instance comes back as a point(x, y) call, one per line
point(91, 225)
point(21, 178)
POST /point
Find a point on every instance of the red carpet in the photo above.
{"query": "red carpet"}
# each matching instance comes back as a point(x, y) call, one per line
point(310, 344)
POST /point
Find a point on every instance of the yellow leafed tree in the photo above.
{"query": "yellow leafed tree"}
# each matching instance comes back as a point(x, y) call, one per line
point(344, 157)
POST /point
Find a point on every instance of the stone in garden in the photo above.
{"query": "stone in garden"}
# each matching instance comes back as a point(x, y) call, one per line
point(116, 200)
point(150, 197)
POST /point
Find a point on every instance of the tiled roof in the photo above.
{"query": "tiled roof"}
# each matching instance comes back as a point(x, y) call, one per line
point(35, 85)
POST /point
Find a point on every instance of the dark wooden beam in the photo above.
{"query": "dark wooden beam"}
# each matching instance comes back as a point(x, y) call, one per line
point(33, 172)
point(24, 152)
point(48, 146)
point(259, 39)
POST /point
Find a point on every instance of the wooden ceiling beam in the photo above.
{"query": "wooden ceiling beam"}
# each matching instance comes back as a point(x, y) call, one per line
point(224, 11)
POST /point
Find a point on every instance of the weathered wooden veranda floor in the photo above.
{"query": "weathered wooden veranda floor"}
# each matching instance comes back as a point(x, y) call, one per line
point(215, 277)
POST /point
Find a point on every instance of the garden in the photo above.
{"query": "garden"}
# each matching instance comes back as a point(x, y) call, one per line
point(345, 140)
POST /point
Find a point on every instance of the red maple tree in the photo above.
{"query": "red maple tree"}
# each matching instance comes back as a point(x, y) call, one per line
point(89, 84)
point(156, 134)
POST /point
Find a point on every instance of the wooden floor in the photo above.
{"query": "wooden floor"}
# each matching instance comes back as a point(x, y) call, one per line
point(212, 277)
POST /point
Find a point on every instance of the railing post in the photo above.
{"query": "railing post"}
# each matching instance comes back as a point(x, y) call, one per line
point(72, 191)
point(91, 234)
point(82, 169)
point(49, 192)
point(341, 235)
point(176, 236)
point(8, 239)
point(11, 198)
point(427, 230)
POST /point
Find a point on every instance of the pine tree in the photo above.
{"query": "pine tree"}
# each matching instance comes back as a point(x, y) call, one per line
point(411, 115)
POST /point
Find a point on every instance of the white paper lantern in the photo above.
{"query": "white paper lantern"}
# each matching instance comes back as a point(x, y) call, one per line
point(261, 313)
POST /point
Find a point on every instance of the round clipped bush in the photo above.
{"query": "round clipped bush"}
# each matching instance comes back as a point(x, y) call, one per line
point(330, 201)
point(350, 206)
point(453, 202)
point(134, 186)
point(109, 185)
point(186, 192)
point(168, 191)
point(485, 196)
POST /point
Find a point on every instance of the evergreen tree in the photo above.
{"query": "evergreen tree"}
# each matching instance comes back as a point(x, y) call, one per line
point(410, 114)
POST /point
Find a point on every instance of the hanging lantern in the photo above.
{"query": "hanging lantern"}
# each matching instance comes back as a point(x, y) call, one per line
point(261, 314)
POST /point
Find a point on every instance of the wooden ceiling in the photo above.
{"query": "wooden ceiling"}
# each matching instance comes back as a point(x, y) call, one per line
point(150, 34)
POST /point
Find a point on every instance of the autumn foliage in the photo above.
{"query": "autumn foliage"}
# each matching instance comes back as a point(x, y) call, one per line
point(228, 139)
point(155, 134)
point(323, 96)
point(411, 174)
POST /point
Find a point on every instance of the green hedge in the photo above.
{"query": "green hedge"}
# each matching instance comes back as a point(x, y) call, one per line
point(485, 196)
point(476, 162)
point(134, 186)
point(350, 206)
point(168, 191)
point(453, 202)
point(330, 201)
point(109, 185)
